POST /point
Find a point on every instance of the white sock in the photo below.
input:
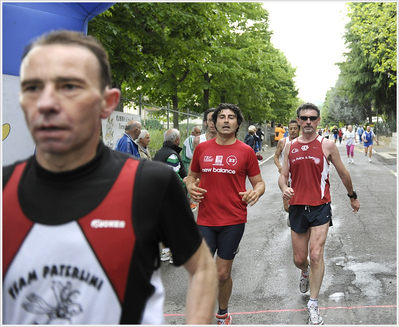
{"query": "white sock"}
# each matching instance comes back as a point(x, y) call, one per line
point(312, 301)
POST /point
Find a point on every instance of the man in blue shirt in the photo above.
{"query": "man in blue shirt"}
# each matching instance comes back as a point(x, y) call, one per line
point(126, 142)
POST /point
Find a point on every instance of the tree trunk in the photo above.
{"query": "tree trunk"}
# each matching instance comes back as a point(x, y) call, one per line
point(206, 91)
point(176, 108)
point(369, 112)
point(223, 97)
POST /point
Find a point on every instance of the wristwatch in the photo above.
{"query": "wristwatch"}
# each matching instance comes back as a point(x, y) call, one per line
point(354, 195)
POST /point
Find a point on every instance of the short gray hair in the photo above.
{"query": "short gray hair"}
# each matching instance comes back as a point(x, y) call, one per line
point(142, 135)
point(193, 129)
point(171, 135)
point(133, 124)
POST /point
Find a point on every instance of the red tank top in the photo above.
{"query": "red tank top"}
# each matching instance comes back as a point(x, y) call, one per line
point(89, 257)
point(309, 172)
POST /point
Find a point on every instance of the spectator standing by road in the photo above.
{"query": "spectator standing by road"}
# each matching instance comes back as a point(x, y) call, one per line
point(170, 154)
point(222, 165)
point(188, 147)
point(82, 213)
point(350, 138)
point(307, 160)
point(260, 135)
point(250, 138)
point(279, 132)
point(368, 137)
point(293, 130)
point(142, 141)
point(126, 142)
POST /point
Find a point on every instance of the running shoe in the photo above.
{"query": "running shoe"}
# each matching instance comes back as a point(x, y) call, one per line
point(352, 161)
point(165, 256)
point(349, 161)
point(225, 319)
point(314, 316)
point(369, 160)
point(171, 259)
point(303, 283)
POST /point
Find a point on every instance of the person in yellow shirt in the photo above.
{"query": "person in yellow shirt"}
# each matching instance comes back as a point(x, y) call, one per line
point(279, 132)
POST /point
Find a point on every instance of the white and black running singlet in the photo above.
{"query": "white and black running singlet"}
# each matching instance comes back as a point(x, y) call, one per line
point(81, 247)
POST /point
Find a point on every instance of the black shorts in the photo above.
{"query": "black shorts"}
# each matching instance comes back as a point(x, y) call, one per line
point(224, 239)
point(302, 217)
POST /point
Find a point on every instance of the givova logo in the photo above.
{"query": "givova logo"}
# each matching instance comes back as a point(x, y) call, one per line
point(99, 223)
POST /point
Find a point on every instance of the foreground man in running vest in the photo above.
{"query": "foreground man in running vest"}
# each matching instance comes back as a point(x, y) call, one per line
point(307, 161)
point(81, 222)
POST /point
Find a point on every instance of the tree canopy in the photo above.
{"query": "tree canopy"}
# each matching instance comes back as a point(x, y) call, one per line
point(368, 75)
point(196, 55)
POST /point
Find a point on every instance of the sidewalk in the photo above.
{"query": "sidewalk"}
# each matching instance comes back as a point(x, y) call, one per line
point(385, 154)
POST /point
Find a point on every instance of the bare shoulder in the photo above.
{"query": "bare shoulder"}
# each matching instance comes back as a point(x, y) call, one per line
point(330, 149)
point(279, 146)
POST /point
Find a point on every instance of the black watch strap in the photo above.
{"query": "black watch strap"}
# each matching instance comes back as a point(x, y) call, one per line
point(353, 196)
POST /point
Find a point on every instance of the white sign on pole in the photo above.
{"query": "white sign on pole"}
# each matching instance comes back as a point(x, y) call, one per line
point(113, 127)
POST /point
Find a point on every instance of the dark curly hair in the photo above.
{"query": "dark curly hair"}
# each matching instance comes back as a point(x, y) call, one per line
point(232, 107)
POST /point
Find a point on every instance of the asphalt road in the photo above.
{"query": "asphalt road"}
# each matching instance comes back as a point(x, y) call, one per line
point(359, 286)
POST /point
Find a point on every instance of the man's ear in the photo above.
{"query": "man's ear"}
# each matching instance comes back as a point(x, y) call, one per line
point(110, 101)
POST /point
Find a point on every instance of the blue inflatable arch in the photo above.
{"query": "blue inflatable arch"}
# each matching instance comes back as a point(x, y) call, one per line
point(24, 21)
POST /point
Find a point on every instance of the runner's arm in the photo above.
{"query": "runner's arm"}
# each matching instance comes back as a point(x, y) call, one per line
point(258, 188)
point(288, 192)
point(202, 287)
point(192, 186)
point(332, 153)
point(277, 154)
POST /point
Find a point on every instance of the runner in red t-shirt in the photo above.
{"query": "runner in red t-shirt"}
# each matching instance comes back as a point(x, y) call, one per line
point(222, 165)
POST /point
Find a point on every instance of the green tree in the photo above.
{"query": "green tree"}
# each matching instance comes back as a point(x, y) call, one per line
point(196, 55)
point(369, 71)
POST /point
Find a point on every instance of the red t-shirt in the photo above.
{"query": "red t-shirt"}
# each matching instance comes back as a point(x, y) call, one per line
point(309, 172)
point(223, 171)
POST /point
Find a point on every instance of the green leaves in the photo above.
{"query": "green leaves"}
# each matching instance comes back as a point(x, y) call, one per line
point(197, 55)
point(369, 73)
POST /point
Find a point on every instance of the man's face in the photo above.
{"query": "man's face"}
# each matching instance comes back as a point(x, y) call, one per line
point(210, 126)
point(368, 129)
point(308, 126)
point(196, 131)
point(136, 131)
point(144, 142)
point(226, 122)
point(61, 98)
point(293, 130)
